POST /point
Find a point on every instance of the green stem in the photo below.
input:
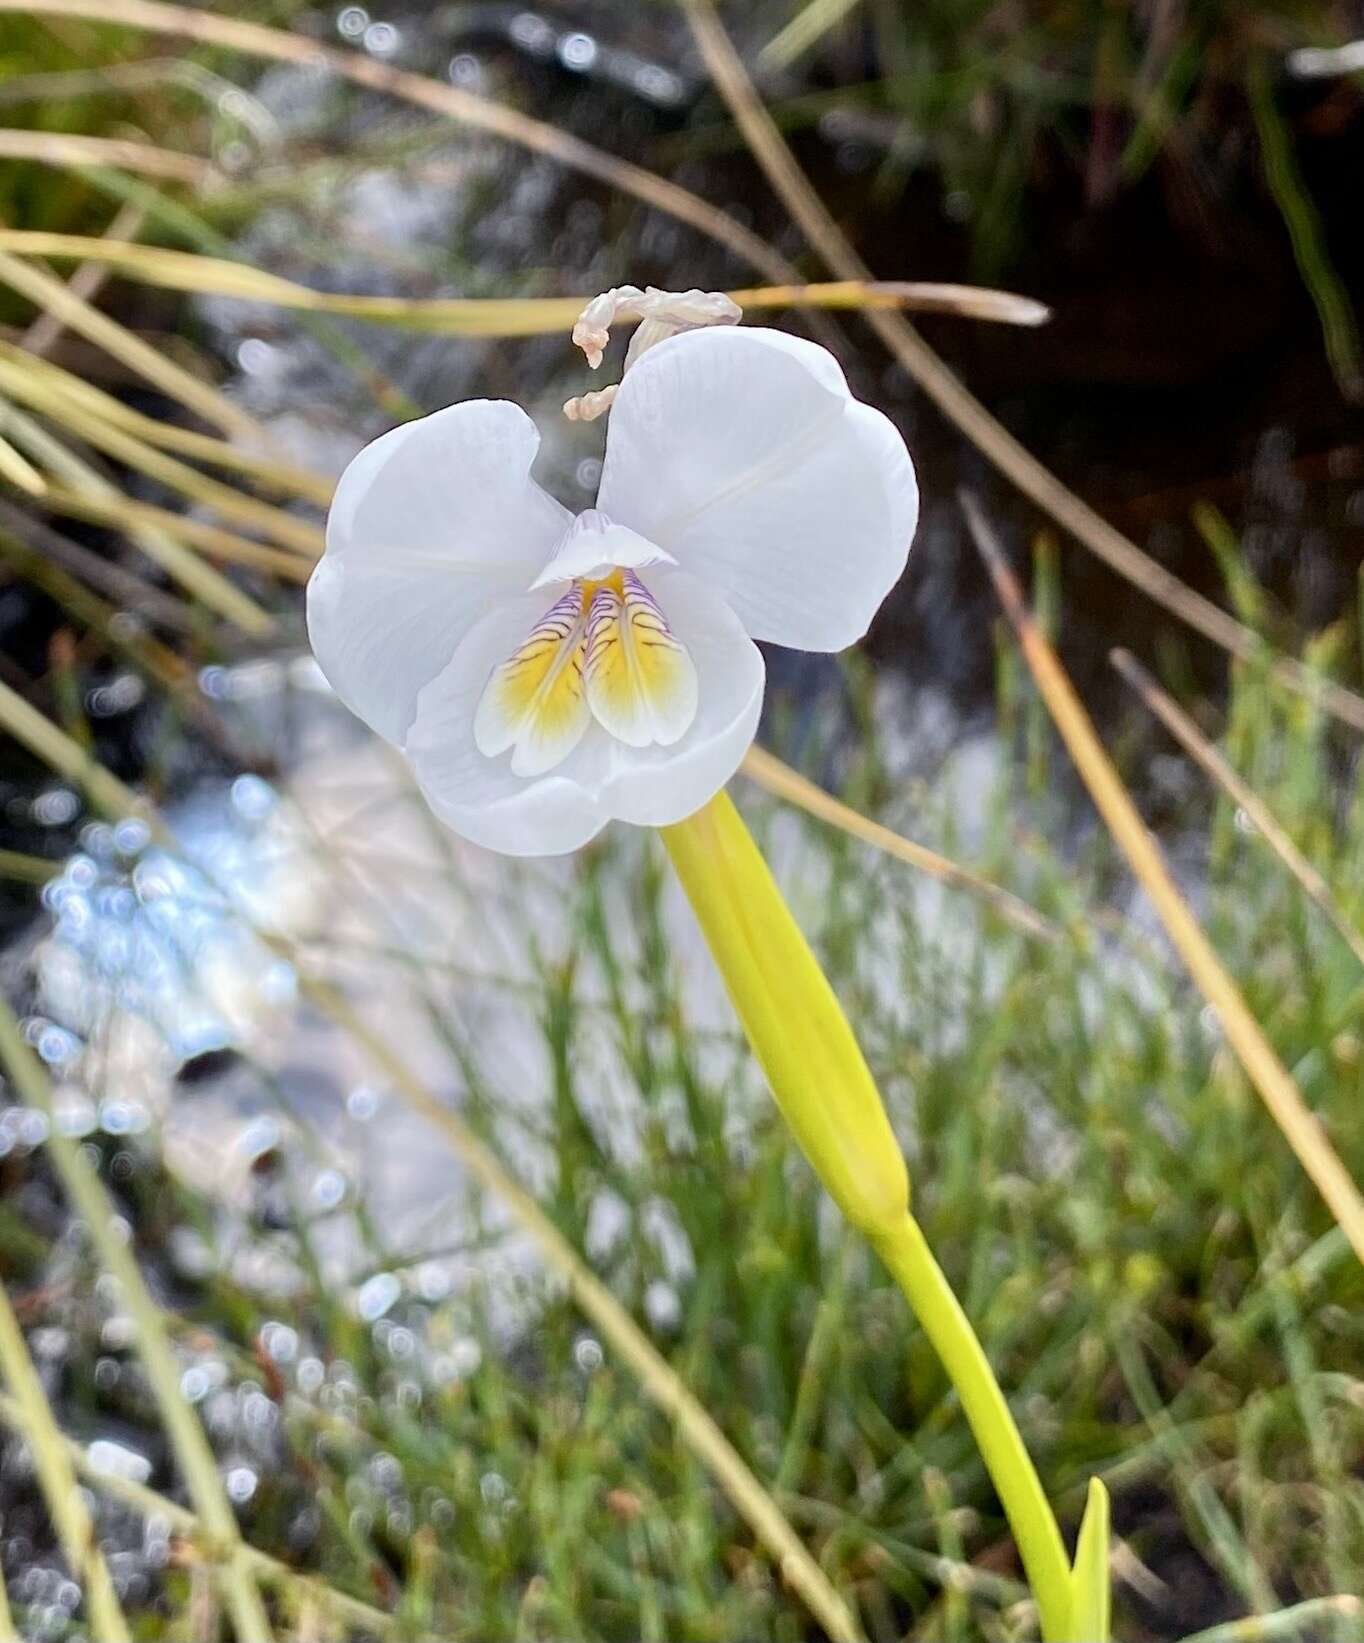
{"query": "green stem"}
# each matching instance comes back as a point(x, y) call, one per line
point(905, 1251)
point(827, 1095)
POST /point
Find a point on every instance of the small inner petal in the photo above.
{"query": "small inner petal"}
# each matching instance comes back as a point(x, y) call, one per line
point(640, 680)
point(593, 547)
point(534, 702)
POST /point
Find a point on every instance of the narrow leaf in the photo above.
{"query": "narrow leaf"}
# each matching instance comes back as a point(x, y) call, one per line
point(1090, 1582)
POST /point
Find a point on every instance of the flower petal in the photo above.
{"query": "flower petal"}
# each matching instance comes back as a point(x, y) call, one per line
point(654, 786)
point(482, 798)
point(486, 801)
point(534, 702)
point(429, 523)
point(594, 546)
point(743, 454)
point(640, 681)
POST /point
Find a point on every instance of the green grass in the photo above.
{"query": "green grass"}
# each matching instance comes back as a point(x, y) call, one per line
point(1153, 1280)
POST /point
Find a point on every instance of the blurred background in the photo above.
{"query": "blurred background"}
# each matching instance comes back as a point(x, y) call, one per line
point(277, 1013)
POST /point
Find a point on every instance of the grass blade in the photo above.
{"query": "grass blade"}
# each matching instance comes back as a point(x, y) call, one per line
point(14, 864)
point(1286, 1623)
point(65, 148)
point(66, 305)
point(183, 1432)
point(75, 1532)
point(961, 407)
point(7, 1631)
point(454, 103)
point(1331, 299)
point(35, 389)
point(1091, 1595)
point(810, 24)
point(664, 1387)
point(1299, 1125)
point(184, 567)
point(1241, 793)
point(490, 316)
point(151, 1505)
point(43, 334)
point(20, 472)
point(771, 773)
point(278, 476)
point(120, 514)
point(123, 586)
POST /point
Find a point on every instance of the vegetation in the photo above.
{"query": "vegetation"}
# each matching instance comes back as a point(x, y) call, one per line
point(435, 1431)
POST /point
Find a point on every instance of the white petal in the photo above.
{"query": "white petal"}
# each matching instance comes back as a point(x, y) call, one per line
point(655, 786)
point(594, 546)
point(429, 524)
point(742, 453)
point(481, 797)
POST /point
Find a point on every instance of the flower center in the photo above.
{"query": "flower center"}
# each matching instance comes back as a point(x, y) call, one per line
point(602, 650)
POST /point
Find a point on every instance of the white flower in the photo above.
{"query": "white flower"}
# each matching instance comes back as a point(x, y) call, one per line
point(545, 673)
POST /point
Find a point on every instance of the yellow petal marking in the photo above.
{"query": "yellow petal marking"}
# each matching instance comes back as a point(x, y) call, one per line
point(534, 702)
point(640, 679)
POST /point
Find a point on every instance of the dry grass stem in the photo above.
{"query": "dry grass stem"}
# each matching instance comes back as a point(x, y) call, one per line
point(1299, 1125)
point(1256, 811)
point(779, 778)
point(75, 1532)
point(194, 1457)
point(961, 407)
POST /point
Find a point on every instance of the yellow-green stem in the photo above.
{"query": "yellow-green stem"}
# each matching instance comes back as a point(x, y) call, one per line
point(905, 1251)
point(827, 1095)
point(793, 1021)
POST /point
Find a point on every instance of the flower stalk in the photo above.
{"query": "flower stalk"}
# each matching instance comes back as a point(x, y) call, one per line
point(825, 1091)
point(792, 1019)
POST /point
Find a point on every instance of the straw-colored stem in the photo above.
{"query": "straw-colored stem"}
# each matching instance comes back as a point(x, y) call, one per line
point(182, 1428)
point(961, 407)
point(188, 569)
point(810, 24)
point(454, 103)
point(150, 1504)
point(910, 1261)
point(123, 586)
point(75, 1532)
point(120, 514)
point(14, 864)
point(16, 467)
point(86, 282)
point(71, 149)
point(492, 316)
point(120, 343)
point(1214, 763)
point(154, 430)
point(8, 1634)
point(778, 778)
point(37, 389)
point(1284, 1623)
point(1301, 1128)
